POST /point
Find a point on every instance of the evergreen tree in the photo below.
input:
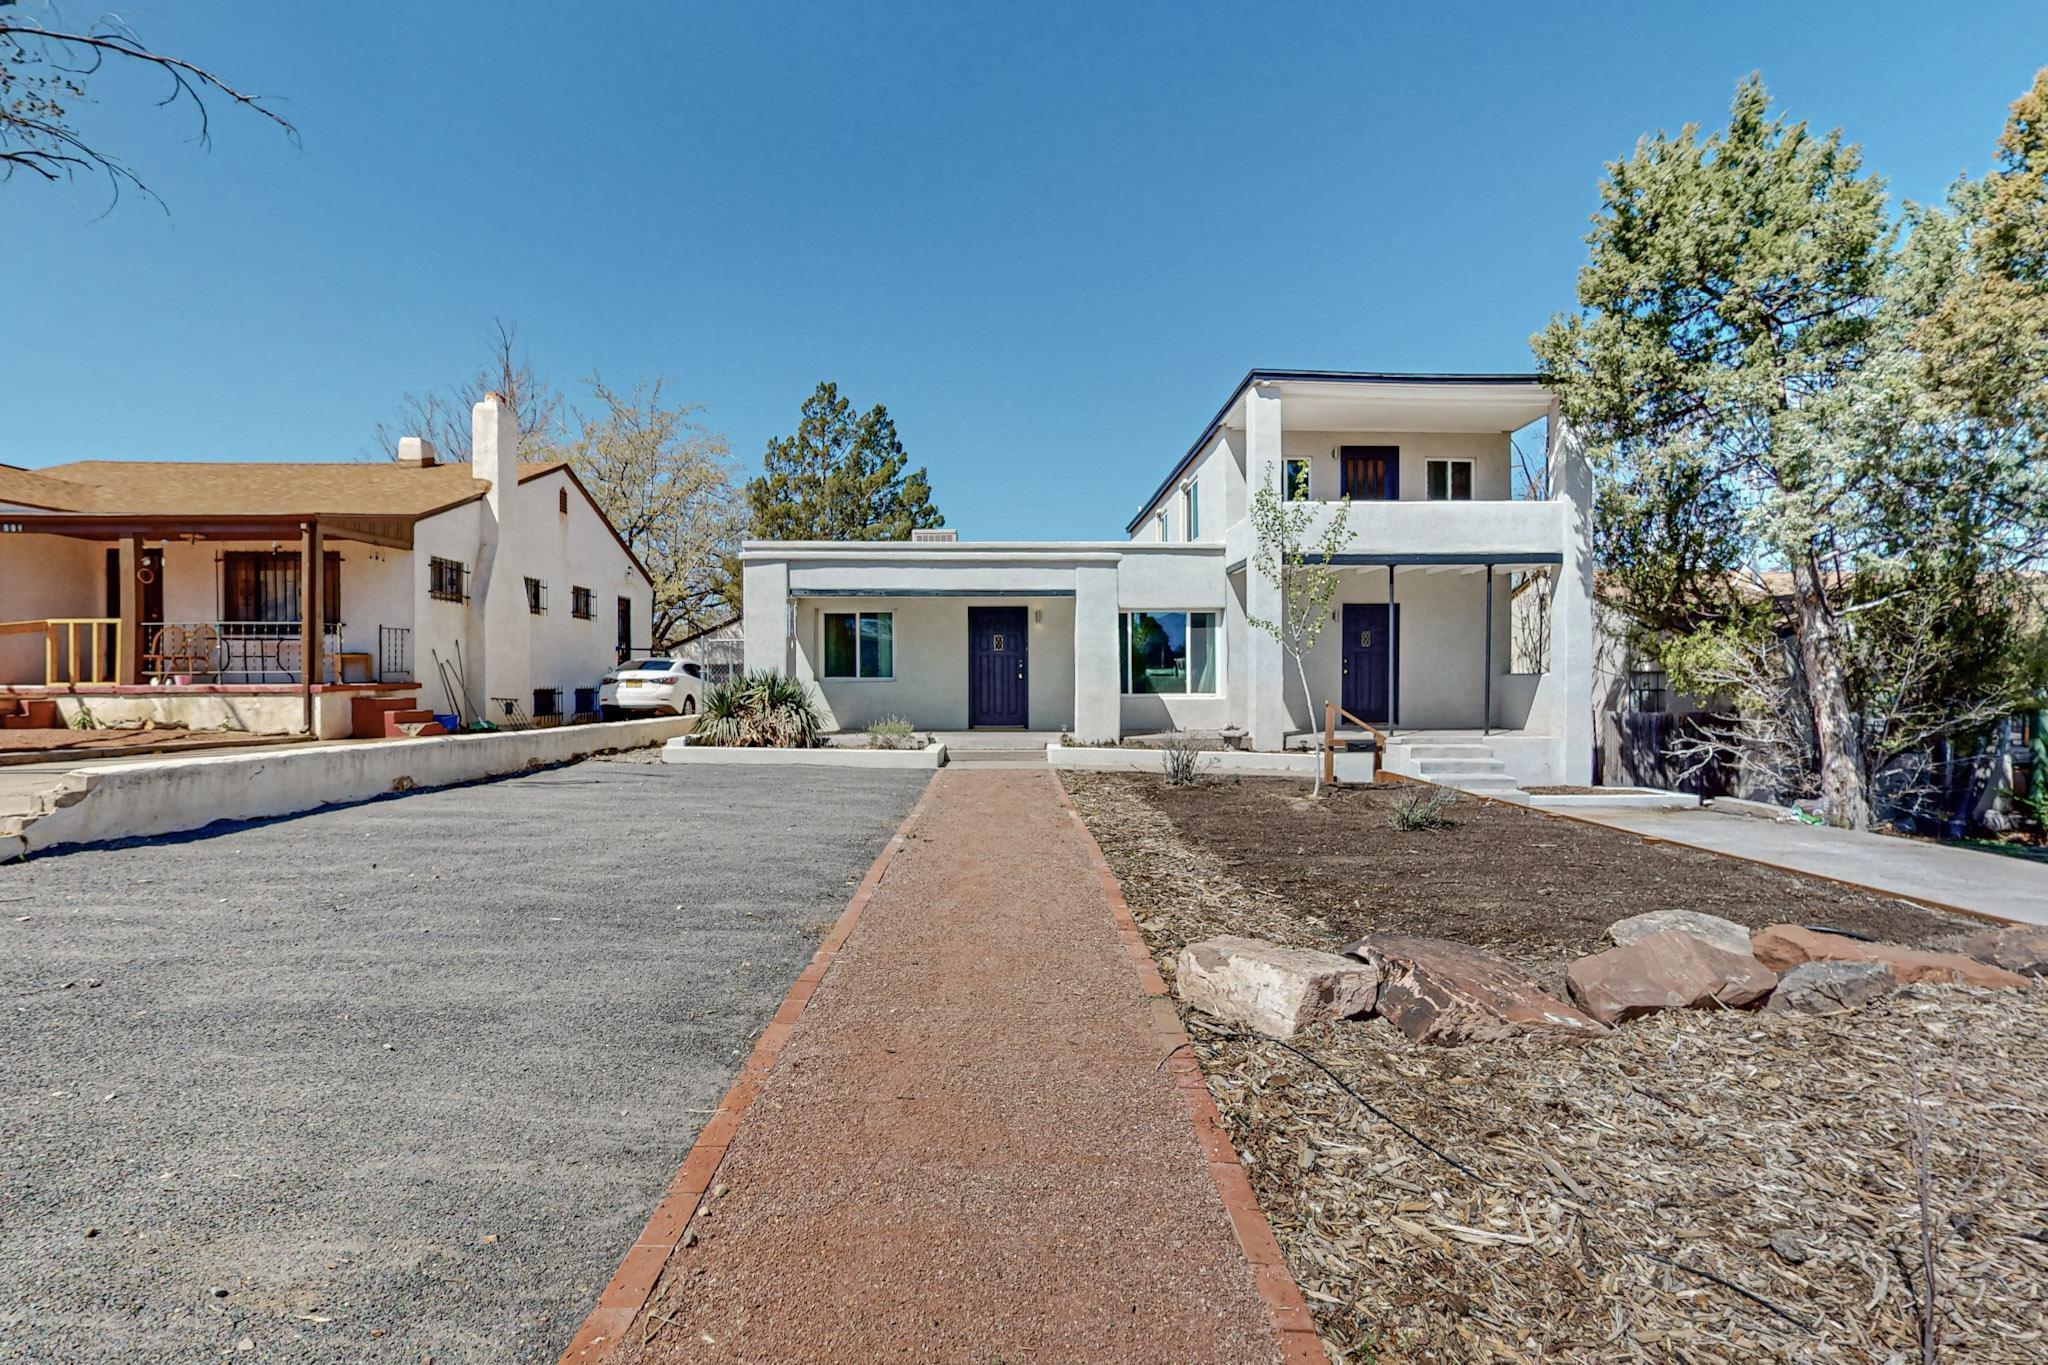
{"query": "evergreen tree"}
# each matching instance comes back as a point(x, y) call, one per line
point(842, 476)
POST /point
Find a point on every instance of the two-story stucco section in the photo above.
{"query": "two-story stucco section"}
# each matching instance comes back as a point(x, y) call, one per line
point(1442, 553)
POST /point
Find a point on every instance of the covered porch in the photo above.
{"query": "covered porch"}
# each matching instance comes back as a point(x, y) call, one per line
point(208, 622)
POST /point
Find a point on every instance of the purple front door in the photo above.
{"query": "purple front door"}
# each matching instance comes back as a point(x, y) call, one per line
point(998, 667)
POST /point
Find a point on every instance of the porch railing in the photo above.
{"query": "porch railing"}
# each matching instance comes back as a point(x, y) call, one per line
point(234, 652)
point(77, 649)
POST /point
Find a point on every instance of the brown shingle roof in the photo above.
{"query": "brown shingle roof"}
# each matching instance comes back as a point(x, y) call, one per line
point(235, 488)
point(33, 488)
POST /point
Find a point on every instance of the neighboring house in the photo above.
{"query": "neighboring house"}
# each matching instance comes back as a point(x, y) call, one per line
point(172, 590)
point(1105, 639)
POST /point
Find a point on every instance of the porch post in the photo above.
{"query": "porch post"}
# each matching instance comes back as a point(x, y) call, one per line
point(128, 671)
point(1098, 674)
point(312, 613)
point(1266, 712)
point(1486, 691)
point(1393, 646)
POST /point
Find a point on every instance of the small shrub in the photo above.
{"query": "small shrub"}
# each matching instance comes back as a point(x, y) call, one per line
point(83, 718)
point(764, 710)
point(1181, 758)
point(1422, 808)
point(892, 732)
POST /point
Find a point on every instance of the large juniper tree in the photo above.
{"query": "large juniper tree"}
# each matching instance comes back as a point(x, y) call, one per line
point(842, 476)
point(1771, 383)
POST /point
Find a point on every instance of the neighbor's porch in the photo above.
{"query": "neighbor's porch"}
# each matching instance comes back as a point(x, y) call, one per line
point(120, 615)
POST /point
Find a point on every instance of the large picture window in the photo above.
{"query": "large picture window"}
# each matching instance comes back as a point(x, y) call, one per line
point(860, 644)
point(1167, 653)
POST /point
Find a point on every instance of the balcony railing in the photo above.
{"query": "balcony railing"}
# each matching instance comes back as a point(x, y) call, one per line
point(1409, 526)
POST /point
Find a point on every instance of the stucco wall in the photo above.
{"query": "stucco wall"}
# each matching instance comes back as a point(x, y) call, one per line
point(43, 577)
point(929, 688)
point(1488, 451)
point(1441, 662)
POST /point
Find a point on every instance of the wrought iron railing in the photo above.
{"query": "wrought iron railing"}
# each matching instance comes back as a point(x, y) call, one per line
point(186, 652)
point(394, 654)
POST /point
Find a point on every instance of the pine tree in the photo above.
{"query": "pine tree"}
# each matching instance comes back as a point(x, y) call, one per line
point(842, 476)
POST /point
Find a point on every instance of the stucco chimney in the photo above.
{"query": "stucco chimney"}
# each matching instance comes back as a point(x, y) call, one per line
point(494, 446)
point(415, 452)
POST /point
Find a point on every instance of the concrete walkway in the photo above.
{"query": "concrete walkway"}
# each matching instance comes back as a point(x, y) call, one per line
point(971, 1146)
point(1986, 883)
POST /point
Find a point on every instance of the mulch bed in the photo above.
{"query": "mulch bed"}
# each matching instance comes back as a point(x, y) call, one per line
point(1537, 889)
point(1620, 1200)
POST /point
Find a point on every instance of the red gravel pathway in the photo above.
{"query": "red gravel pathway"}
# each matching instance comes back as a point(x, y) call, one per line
point(973, 1145)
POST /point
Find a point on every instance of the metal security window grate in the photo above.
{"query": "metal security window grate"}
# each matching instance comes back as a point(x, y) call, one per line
point(445, 580)
point(582, 603)
point(547, 701)
point(586, 700)
point(537, 596)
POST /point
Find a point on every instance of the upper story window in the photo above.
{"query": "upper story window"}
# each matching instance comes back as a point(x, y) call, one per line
point(1371, 473)
point(1294, 481)
point(1450, 480)
point(537, 596)
point(444, 580)
point(562, 500)
point(582, 603)
point(1159, 526)
point(1191, 512)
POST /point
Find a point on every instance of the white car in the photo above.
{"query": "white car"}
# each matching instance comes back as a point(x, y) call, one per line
point(668, 686)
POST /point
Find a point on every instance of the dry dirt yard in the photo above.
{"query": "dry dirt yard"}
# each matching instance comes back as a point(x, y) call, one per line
point(1730, 1187)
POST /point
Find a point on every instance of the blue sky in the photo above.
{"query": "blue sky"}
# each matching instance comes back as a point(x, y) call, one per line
point(1049, 238)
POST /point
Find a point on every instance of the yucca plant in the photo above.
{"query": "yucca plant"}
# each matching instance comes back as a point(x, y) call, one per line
point(764, 710)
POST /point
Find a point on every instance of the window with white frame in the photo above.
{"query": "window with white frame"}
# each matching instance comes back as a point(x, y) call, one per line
point(1159, 525)
point(1191, 512)
point(1168, 653)
point(859, 644)
point(1450, 481)
point(1294, 480)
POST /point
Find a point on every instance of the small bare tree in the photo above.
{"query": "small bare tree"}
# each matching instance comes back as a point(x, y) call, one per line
point(1288, 549)
point(45, 72)
point(443, 415)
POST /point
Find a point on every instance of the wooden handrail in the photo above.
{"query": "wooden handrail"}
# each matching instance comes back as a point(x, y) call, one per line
point(1330, 713)
point(102, 667)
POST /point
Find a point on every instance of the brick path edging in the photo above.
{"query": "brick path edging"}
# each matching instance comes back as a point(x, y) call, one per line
point(633, 1283)
point(1300, 1343)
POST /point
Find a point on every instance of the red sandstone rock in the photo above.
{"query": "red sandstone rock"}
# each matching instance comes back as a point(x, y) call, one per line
point(1436, 991)
point(1784, 946)
point(1671, 970)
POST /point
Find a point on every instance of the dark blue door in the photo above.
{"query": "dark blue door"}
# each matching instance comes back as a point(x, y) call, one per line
point(1368, 646)
point(998, 672)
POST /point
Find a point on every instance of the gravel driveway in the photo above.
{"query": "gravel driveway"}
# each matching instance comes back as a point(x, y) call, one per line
point(397, 1080)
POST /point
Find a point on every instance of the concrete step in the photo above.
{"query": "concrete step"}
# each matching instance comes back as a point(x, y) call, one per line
point(1433, 768)
point(995, 758)
point(1421, 751)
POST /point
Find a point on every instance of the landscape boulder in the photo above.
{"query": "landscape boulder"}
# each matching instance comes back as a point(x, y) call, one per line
point(1724, 934)
point(1671, 970)
point(1436, 991)
point(1782, 947)
point(2023, 948)
point(1831, 987)
point(1274, 990)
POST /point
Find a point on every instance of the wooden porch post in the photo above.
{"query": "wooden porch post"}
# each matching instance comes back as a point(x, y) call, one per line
point(312, 612)
point(1486, 720)
point(128, 670)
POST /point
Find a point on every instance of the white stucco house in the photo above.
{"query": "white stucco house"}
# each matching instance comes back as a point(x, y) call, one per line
point(1103, 639)
point(179, 591)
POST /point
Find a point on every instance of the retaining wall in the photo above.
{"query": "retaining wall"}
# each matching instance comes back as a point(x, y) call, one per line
point(119, 801)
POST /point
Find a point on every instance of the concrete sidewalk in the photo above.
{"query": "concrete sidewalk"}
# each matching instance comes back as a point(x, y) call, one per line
point(1966, 879)
point(971, 1145)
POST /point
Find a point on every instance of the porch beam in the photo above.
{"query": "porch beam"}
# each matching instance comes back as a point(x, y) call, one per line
point(312, 612)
